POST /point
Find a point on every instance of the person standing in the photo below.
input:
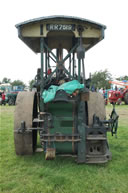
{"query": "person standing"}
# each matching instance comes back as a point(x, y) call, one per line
point(101, 91)
point(3, 99)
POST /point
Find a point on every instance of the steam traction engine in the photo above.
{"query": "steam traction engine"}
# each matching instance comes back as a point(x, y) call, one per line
point(68, 117)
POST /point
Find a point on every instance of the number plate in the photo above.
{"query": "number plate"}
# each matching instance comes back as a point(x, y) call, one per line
point(60, 27)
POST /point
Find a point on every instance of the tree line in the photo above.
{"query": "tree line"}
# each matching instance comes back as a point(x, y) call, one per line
point(13, 83)
point(99, 79)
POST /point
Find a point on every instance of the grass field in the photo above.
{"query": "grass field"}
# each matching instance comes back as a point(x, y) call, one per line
point(32, 174)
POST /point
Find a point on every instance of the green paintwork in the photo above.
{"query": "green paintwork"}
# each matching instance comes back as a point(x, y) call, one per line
point(63, 122)
point(81, 130)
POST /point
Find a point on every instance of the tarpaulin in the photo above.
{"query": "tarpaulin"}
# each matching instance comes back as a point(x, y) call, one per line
point(68, 87)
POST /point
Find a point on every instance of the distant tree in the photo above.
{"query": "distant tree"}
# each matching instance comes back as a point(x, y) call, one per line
point(31, 84)
point(122, 78)
point(101, 79)
point(6, 80)
point(18, 83)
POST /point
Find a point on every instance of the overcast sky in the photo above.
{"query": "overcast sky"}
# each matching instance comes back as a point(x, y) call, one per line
point(17, 61)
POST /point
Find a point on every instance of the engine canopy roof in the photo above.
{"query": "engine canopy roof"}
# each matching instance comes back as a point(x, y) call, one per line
point(59, 31)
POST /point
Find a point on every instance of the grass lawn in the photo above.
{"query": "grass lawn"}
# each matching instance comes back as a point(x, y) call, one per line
point(32, 174)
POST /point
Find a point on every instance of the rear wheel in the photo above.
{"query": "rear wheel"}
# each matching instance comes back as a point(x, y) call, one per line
point(96, 106)
point(126, 98)
point(26, 110)
point(11, 102)
point(97, 149)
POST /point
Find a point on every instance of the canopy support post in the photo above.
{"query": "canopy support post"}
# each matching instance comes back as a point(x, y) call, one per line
point(42, 73)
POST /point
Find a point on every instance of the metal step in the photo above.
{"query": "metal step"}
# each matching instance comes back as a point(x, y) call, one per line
point(36, 120)
point(96, 137)
point(95, 159)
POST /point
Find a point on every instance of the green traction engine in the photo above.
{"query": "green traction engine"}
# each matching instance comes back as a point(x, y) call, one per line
point(68, 118)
